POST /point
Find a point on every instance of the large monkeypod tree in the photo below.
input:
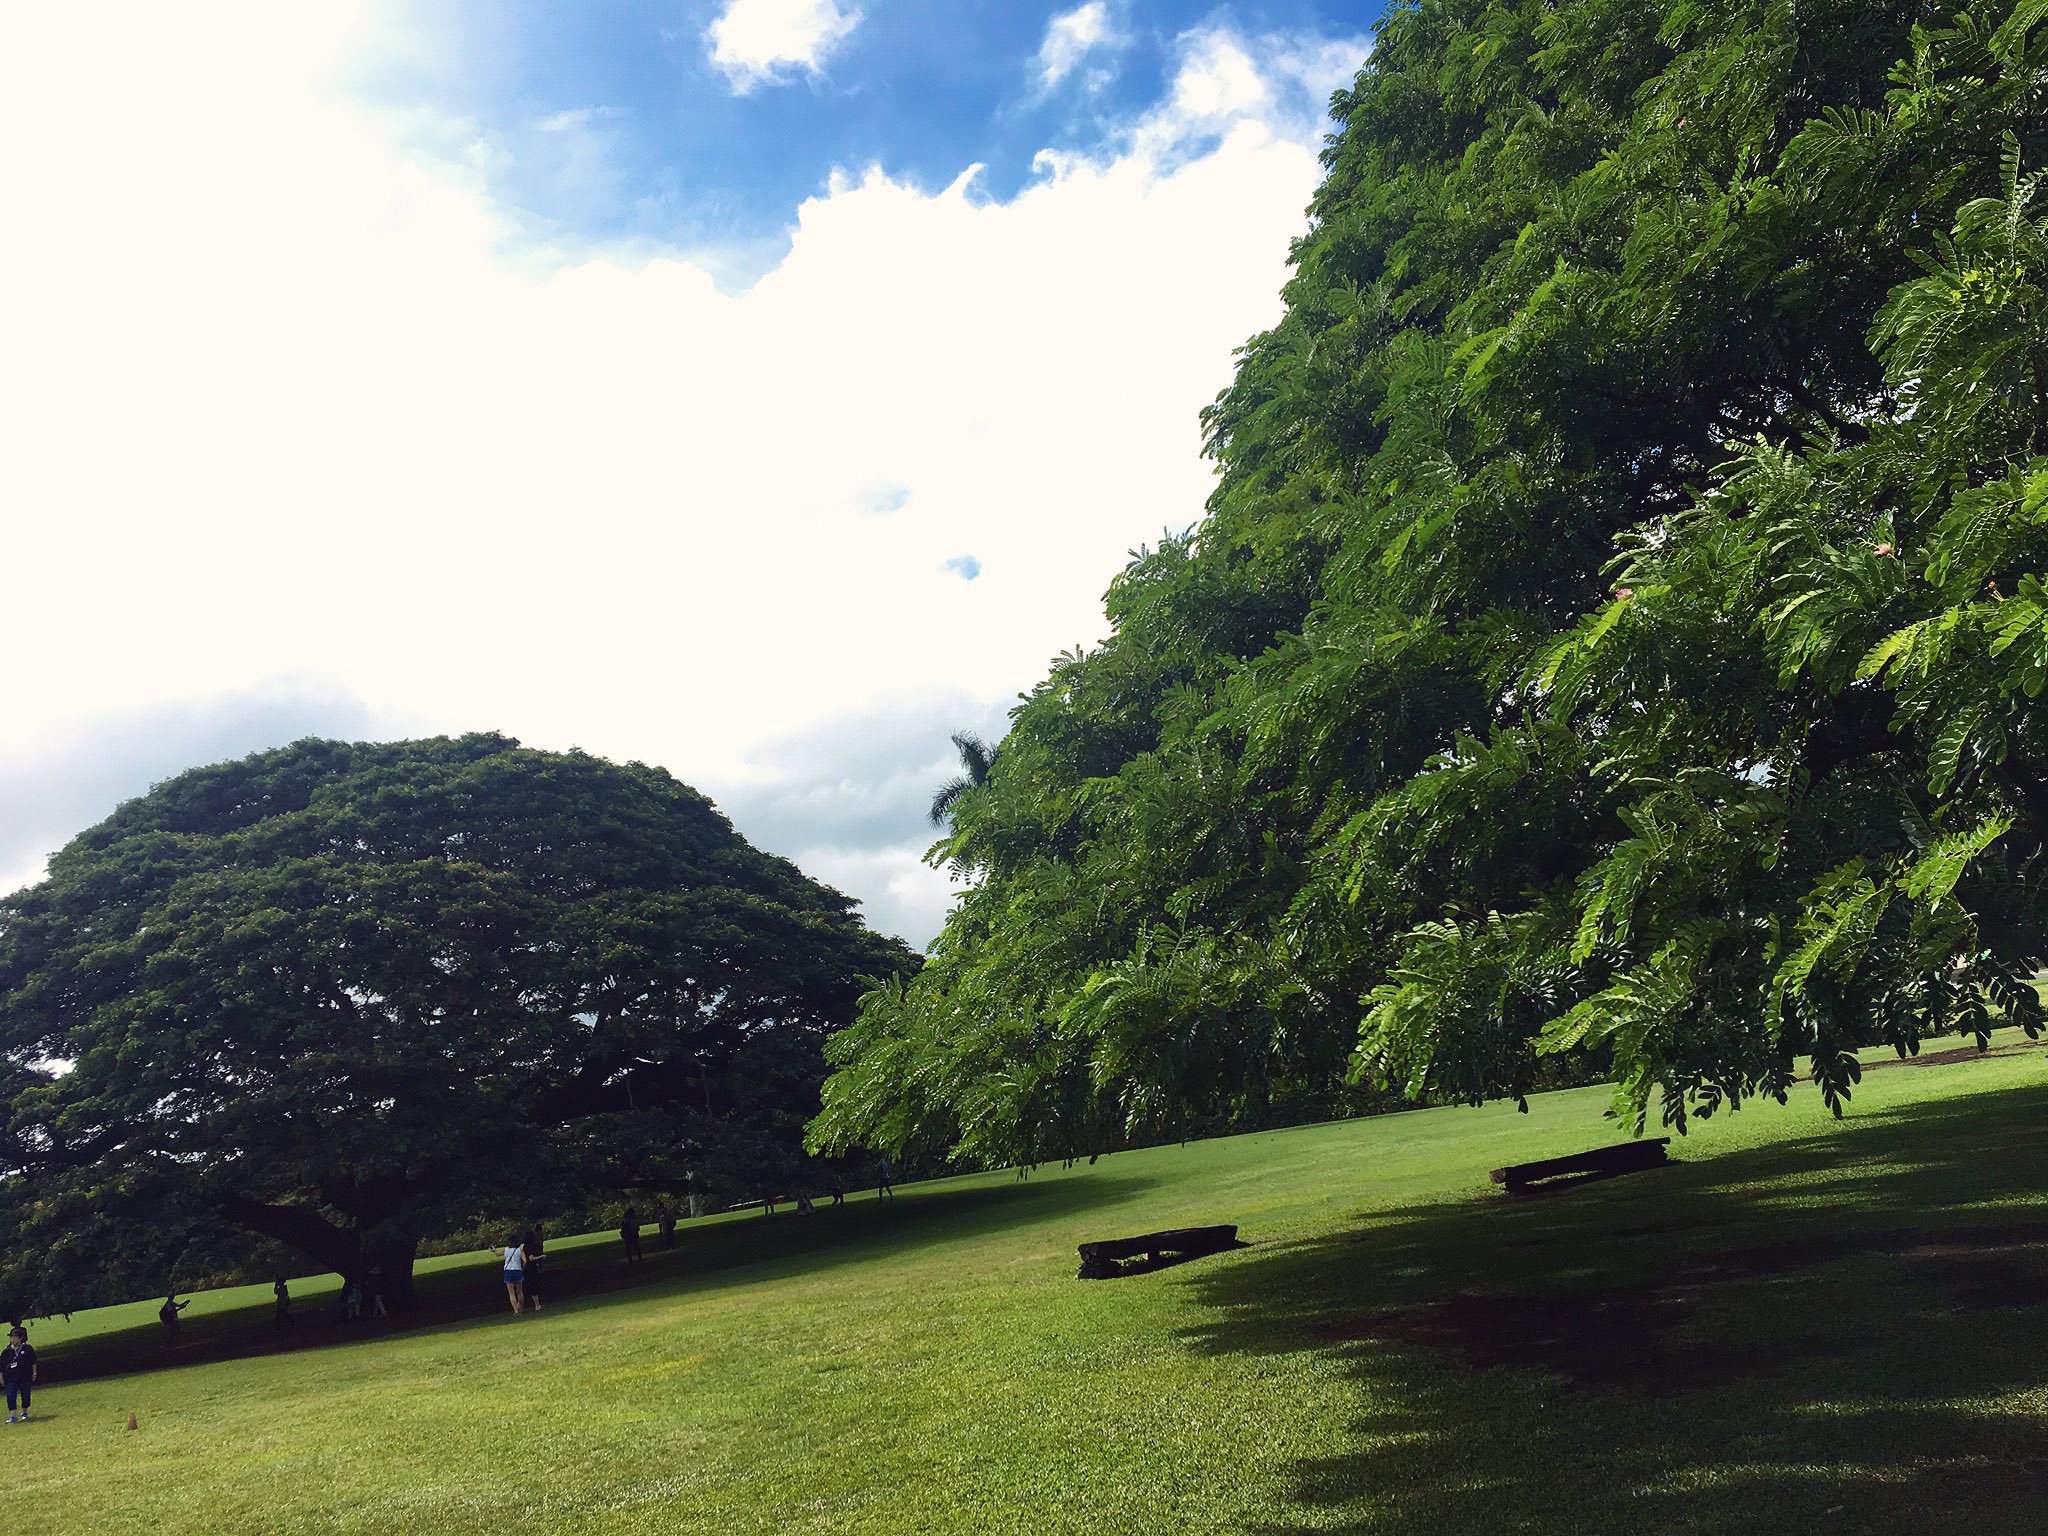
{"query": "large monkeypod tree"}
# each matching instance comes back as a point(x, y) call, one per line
point(348, 996)
point(1618, 634)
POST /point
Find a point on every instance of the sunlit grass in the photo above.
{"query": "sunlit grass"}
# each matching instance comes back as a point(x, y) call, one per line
point(932, 1364)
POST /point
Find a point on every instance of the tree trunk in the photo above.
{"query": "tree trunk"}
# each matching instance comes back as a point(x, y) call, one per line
point(350, 1252)
point(391, 1251)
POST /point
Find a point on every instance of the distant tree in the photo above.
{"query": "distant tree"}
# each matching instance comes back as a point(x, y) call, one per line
point(1619, 624)
point(977, 757)
point(347, 996)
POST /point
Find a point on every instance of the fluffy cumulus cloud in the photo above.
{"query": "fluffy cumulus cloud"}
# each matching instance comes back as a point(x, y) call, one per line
point(309, 433)
point(1225, 83)
point(759, 40)
point(1228, 94)
point(1070, 37)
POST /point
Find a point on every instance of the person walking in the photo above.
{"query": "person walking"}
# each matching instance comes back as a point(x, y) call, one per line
point(536, 1264)
point(18, 1372)
point(513, 1255)
point(884, 1185)
point(374, 1284)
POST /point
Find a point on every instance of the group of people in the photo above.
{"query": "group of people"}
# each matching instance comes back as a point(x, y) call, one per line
point(631, 1221)
point(884, 1188)
point(522, 1258)
point(361, 1296)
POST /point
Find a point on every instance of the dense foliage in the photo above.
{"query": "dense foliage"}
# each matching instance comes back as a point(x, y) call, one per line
point(1619, 625)
point(345, 997)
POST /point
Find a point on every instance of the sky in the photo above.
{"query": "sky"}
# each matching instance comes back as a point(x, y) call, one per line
point(760, 388)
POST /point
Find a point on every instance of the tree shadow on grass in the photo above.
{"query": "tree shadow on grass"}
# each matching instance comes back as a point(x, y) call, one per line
point(595, 1274)
point(1849, 1329)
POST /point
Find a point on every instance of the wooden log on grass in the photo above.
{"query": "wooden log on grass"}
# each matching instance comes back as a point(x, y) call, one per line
point(1103, 1259)
point(1601, 1162)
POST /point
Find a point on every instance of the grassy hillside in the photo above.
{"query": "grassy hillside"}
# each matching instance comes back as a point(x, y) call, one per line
point(1803, 1322)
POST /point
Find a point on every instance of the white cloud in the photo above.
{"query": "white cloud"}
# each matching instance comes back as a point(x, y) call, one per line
point(286, 398)
point(758, 40)
point(1229, 93)
point(574, 119)
point(1320, 66)
point(901, 893)
point(1224, 82)
point(1069, 38)
point(1217, 80)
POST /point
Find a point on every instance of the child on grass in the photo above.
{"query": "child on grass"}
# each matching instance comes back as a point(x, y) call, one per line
point(18, 1370)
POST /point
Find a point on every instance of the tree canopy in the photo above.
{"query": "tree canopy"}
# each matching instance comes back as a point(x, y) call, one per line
point(347, 996)
point(976, 758)
point(1618, 626)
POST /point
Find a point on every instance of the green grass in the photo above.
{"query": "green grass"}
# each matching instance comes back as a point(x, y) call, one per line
point(1804, 1323)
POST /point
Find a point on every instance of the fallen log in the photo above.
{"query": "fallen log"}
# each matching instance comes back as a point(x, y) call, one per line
point(1101, 1260)
point(1600, 1163)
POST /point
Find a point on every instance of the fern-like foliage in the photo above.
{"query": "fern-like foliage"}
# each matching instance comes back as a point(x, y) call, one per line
point(1615, 641)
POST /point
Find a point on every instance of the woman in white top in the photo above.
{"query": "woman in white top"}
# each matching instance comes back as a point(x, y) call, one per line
point(514, 1255)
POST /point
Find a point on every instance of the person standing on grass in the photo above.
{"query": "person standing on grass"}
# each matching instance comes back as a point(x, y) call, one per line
point(167, 1314)
point(514, 1272)
point(536, 1262)
point(18, 1372)
point(375, 1285)
point(665, 1218)
point(283, 1292)
point(629, 1233)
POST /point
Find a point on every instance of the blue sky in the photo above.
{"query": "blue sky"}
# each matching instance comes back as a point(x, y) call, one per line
point(641, 378)
point(616, 123)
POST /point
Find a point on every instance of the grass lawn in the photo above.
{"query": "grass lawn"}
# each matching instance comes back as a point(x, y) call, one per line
point(1804, 1323)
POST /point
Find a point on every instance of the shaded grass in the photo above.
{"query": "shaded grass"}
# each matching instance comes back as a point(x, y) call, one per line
point(1802, 1321)
point(1843, 1328)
